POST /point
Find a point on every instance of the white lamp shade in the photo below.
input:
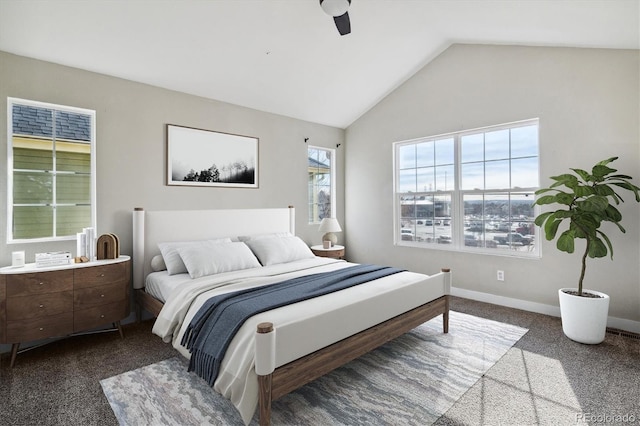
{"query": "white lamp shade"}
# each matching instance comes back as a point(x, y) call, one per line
point(329, 224)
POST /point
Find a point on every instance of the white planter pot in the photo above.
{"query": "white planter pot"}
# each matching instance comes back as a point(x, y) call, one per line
point(584, 319)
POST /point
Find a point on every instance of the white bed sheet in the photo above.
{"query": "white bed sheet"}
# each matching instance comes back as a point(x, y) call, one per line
point(160, 284)
point(301, 328)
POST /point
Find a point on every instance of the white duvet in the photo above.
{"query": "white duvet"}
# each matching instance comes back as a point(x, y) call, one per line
point(301, 328)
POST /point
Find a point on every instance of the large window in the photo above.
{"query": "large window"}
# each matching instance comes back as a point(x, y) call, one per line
point(469, 190)
point(321, 183)
point(51, 171)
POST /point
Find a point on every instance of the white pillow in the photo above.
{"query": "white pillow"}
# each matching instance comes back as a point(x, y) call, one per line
point(268, 235)
point(157, 264)
point(271, 251)
point(172, 259)
point(214, 258)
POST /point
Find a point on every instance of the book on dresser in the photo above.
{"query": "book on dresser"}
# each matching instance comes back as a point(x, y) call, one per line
point(39, 302)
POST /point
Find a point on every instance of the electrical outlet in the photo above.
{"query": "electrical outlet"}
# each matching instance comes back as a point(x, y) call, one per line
point(500, 276)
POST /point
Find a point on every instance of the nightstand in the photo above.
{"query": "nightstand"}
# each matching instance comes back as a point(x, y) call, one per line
point(39, 303)
point(335, 252)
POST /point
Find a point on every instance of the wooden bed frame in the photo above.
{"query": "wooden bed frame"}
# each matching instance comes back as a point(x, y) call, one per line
point(280, 381)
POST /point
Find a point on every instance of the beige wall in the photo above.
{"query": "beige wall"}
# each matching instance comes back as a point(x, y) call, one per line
point(588, 104)
point(131, 148)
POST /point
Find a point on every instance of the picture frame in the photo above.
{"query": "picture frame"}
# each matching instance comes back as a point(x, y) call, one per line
point(198, 157)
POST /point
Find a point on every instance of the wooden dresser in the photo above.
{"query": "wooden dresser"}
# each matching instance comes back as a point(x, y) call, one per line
point(40, 303)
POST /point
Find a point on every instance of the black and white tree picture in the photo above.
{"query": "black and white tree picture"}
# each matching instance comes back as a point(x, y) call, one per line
point(206, 158)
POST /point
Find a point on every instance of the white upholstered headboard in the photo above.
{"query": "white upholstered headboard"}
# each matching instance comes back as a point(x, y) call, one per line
point(153, 227)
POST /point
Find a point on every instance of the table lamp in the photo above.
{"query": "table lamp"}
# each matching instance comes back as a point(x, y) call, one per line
point(328, 226)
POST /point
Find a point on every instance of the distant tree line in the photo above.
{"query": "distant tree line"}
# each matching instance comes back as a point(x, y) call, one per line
point(236, 172)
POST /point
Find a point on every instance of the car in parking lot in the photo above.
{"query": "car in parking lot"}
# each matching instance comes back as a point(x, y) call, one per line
point(444, 239)
point(513, 238)
point(406, 234)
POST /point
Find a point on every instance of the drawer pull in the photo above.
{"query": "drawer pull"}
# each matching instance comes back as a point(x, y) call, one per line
point(102, 316)
point(102, 295)
point(102, 275)
point(41, 328)
point(40, 283)
point(41, 306)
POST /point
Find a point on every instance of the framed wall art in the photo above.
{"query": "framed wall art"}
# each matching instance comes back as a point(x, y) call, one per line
point(197, 157)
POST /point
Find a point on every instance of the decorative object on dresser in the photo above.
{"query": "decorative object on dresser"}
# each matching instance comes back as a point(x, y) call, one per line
point(41, 303)
point(335, 252)
point(328, 226)
point(17, 259)
point(86, 244)
point(55, 258)
point(108, 247)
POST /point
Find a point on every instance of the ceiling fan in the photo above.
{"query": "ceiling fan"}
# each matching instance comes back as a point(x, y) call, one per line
point(338, 9)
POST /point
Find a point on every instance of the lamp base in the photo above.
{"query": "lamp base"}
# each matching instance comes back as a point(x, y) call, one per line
point(330, 236)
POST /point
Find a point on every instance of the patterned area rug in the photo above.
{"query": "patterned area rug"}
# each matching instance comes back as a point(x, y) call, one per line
point(412, 380)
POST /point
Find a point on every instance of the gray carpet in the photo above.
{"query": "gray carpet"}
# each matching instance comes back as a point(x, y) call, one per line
point(544, 379)
point(412, 380)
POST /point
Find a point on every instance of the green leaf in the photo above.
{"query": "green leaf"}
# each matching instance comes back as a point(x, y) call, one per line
point(539, 220)
point(597, 248)
point(606, 240)
point(563, 214)
point(567, 180)
point(589, 222)
point(564, 198)
point(543, 190)
point(566, 242)
point(613, 214)
point(628, 186)
point(545, 199)
point(607, 161)
point(594, 204)
point(599, 171)
point(551, 228)
point(583, 174)
point(619, 177)
point(584, 191)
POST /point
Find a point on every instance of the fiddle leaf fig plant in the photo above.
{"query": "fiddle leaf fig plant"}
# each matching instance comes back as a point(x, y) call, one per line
point(585, 200)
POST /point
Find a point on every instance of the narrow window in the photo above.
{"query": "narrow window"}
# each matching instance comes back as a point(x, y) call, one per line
point(51, 165)
point(321, 183)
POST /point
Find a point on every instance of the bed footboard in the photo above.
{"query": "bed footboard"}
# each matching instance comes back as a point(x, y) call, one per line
point(295, 374)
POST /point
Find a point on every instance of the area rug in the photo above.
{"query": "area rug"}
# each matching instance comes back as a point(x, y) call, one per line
point(412, 380)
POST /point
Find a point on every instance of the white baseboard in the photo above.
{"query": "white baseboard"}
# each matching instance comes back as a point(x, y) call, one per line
point(540, 308)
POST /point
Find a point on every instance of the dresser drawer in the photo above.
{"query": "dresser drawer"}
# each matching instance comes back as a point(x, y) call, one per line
point(99, 315)
point(39, 283)
point(99, 275)
point(40, 328)
point(39, 305)
point(101, 295)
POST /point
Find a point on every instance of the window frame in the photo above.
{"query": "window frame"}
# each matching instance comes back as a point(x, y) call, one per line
point(332, 176)
point(457, 195)
point(10, 168)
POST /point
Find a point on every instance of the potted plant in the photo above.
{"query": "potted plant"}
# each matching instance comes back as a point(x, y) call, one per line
point(586, 200)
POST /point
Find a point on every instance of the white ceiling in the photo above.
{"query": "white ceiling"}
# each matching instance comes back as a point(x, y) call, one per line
point(286, 56)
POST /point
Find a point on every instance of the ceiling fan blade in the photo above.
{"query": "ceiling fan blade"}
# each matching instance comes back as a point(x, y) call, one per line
point(343, 24)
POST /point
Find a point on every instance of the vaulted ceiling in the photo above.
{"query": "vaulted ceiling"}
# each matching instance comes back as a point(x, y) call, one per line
point(286, 56)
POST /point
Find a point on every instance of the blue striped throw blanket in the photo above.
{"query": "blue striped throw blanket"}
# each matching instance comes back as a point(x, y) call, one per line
point(210, 331)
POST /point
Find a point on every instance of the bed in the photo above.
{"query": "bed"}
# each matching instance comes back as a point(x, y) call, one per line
point(279, 350)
